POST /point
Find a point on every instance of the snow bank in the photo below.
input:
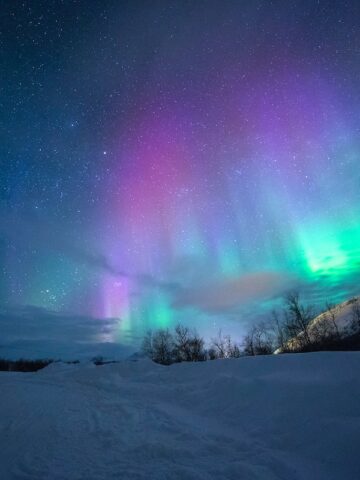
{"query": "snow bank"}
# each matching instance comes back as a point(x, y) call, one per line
point(279, 417)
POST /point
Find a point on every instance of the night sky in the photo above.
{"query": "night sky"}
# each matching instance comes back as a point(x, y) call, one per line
point(166, 161)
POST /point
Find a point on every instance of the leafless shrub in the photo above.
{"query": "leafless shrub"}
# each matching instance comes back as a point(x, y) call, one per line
point(188, 345)
point(182, 343)
point(159, 346)
point(297, 319)
point(259, 340)
point(196, 349)
point(218, 345)
point(166, 348)
point(212, 353)
point(223, 347)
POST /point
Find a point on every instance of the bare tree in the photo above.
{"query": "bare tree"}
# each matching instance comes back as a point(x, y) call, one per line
point(279, 333)
point(259, 340)
point(218, 345)
point(223, 347)
point(297, 319)
point(182, 343)
point(196, 348)
point(232, 348)
point(159, 346)
point(188, 345)
point(249, 342)
point(265, 339)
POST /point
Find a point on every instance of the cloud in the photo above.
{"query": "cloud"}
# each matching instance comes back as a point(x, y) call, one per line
point(226, 294)
point(33, 332)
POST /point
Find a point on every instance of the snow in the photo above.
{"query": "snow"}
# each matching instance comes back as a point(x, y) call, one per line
point(342, 312)
point(276, 417)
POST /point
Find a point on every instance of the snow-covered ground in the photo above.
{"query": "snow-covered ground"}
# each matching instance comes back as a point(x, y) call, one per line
point(278, 417)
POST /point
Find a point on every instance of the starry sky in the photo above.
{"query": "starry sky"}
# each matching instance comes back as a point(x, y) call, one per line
point(166, 161)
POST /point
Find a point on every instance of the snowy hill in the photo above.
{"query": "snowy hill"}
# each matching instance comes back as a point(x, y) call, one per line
point(342, 314)
point(262, 418)
point(338, 322)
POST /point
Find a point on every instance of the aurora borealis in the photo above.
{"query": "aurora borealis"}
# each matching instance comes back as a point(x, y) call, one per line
point(179, 161)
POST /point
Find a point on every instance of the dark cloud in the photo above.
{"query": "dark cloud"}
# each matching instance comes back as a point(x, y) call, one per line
point(35, 332)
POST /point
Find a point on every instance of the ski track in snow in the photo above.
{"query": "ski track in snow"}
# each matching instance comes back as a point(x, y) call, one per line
point(280, 417)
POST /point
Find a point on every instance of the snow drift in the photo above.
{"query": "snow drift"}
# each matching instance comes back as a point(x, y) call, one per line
point(275, 417)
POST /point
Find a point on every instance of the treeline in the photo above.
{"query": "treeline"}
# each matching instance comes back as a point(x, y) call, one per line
point(185, 345)
point(26, 365)
point(23, 365)
point(290, 330)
